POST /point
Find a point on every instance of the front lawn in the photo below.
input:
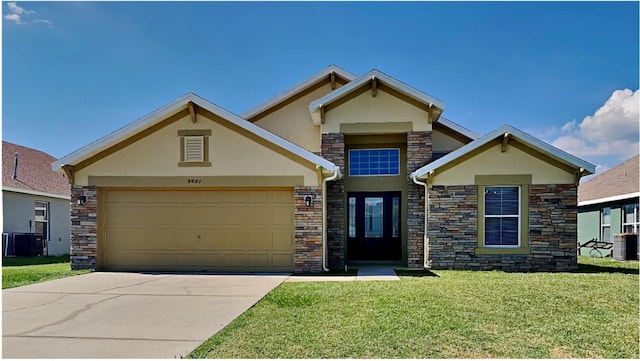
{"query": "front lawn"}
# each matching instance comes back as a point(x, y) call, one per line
point(21, 271)
point(592, 313)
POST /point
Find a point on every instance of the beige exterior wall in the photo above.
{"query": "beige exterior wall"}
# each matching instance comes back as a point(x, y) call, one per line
point(443, 142)
point(383, 108)
point(230, 154)
point(293, 122)
point(494, 162)
point(19, 210)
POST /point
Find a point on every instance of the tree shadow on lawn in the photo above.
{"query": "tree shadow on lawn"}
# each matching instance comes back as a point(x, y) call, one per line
point(415, 273)
point(31, 261)
point(589, 268)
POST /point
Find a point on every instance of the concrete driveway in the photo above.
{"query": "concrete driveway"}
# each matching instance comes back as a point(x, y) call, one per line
point(124, 315)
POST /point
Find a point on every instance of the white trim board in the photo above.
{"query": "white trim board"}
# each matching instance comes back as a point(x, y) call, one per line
point(609, 199)
point(35, 193)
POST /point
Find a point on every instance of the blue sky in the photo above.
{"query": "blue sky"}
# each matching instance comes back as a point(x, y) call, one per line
point(72, 72)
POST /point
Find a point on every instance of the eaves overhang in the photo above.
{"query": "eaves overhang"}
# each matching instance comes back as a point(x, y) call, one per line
point(296, 89)
point(316, 107)
point(582, 166)
point(174, 107)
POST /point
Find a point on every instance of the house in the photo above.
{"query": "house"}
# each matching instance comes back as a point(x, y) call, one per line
point(608, 205)
point(328, 173)
point(35, 200)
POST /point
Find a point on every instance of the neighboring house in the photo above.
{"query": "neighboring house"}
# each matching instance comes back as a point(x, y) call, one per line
point(330, 172)
point(608, 205)
point(35, 199)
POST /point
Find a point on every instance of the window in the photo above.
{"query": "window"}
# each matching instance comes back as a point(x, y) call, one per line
point(42, 219)
point(374, 162)
point(352, 217)
point(373, 217)
point(631, 218)
point(605, 225)
point(194, 148)
point(502, 216)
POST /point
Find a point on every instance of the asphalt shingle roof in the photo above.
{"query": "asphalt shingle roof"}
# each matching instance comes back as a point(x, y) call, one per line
point(34, 171)
point(619, 180)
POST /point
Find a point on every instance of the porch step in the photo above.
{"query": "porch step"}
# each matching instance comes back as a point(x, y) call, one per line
point(376, 274)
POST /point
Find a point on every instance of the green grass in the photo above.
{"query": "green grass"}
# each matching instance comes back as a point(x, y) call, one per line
point(27, 270)
point(592, 313)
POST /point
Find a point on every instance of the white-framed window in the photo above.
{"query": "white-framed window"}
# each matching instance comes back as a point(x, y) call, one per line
point(631, 218)
point(374, 162)
point(194, 148)
point(502, 216)
point(605, 225)
point(42, 219)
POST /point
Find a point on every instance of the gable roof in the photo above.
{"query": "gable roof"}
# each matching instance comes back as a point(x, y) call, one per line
point(174, 107)
point(517, 134)
point(296, 89)
point(314, 107)
point(33, 174)
point(458, 128)
point(617, 183)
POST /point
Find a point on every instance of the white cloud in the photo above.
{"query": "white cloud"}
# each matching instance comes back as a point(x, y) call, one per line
point(14, 17)
point(14, 8)
point(17, 13)
point(612, 130)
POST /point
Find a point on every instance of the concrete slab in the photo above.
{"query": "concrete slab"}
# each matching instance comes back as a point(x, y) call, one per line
point(364, 274)
point(125, 315)
point(377, 274)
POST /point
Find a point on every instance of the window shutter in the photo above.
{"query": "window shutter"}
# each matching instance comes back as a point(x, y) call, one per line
point(194, 149)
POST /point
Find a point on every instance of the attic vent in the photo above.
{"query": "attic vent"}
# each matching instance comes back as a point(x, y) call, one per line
point(194, 149)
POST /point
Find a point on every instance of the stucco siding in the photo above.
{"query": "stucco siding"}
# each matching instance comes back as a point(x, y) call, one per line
point(293, 122)
point(19, 209)
point(230, 154)
point(443, 143)
point(495, 162)
point(383, 108)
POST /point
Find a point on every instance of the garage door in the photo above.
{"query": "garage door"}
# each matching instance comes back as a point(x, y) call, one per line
point(215, 230)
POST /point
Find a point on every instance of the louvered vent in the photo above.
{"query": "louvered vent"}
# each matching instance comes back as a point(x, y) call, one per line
point(194, 149)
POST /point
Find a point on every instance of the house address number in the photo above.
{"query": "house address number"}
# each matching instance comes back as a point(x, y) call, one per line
point(194, 181)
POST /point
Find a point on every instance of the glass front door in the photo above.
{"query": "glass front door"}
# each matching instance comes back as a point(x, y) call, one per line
point(374, 226)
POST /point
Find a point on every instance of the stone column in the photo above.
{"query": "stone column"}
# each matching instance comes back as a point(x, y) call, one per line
point(84, 227)
point(418, 154)
point(308, 230)
point(553, 227)
point(333, 151)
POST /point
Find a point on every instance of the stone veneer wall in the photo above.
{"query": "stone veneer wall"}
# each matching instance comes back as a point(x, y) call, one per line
point(308, 230)
point(419, 153)
point(333, 151)
point(84, 228)
point(453, 222)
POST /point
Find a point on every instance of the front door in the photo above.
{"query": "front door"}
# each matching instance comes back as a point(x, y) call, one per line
point(374, 226)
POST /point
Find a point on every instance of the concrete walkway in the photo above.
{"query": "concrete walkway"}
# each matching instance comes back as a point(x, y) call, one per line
point(364, 274)
point(124, 315)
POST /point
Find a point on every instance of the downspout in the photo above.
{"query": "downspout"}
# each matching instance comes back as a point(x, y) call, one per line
point(426, 216)
point(336, 174)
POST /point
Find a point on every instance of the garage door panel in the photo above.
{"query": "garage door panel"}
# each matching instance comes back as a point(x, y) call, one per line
point(282, 216)
point(282, 261)
point(233, 230)
point(259, 260)
point(235, 216)
point(283, 196)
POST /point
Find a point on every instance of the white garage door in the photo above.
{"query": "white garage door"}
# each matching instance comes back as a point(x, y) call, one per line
point(187, 230)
